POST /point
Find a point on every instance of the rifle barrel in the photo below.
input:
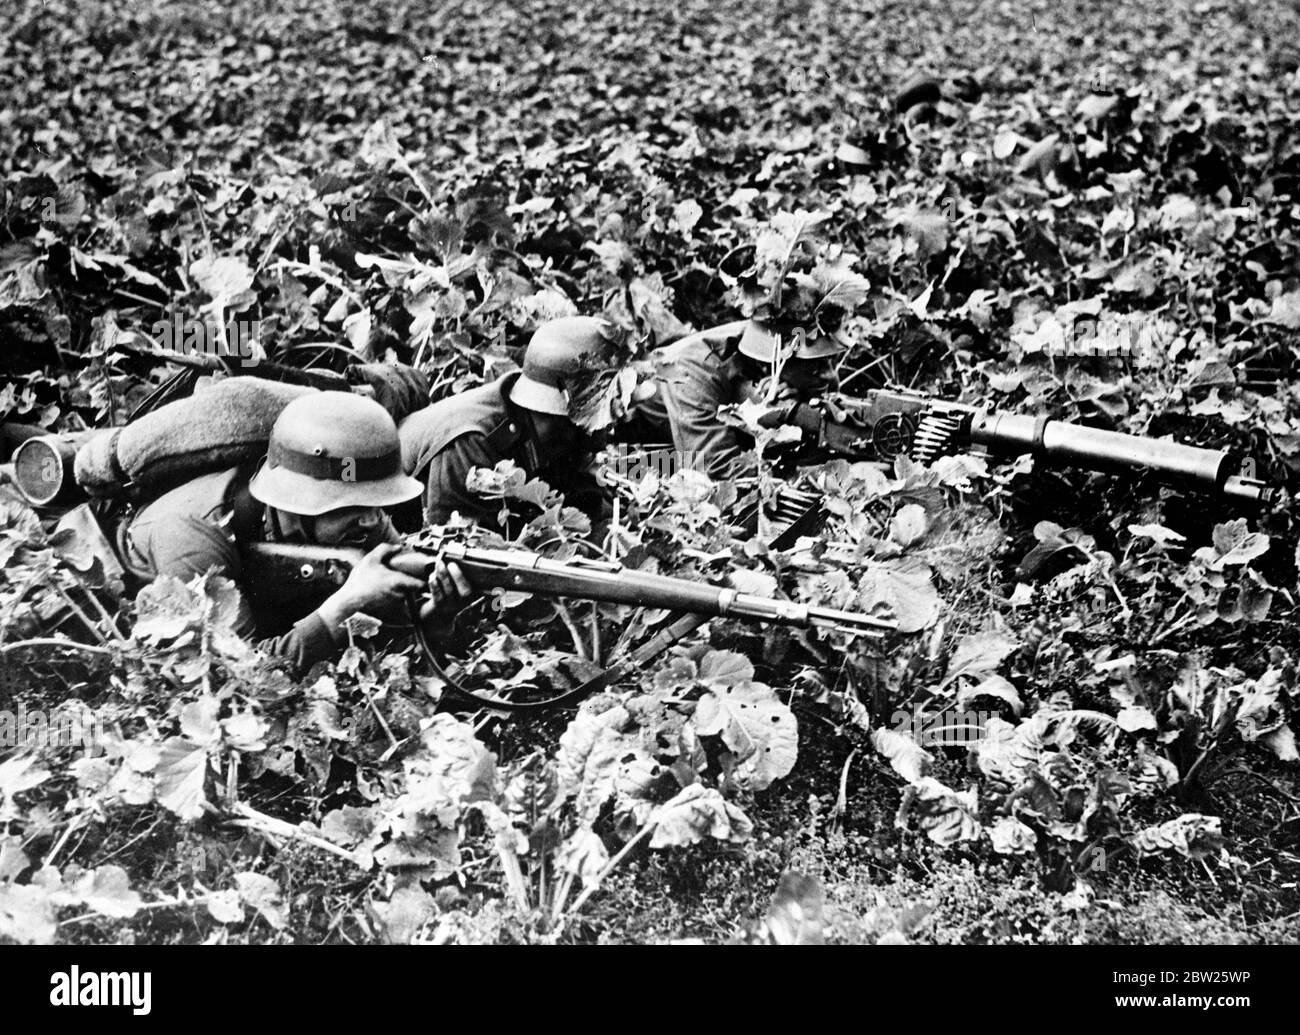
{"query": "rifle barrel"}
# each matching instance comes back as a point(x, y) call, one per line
point(611, 583)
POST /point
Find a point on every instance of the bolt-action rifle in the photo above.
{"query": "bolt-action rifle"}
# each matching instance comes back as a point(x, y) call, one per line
point(887, 423)
point(301, 572)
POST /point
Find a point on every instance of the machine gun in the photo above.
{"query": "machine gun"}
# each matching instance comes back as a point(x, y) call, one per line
point(302, 572)
point(888, 423)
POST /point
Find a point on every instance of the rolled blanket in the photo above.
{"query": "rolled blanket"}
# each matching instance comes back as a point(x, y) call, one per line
point(223, 424)
point(13, 435)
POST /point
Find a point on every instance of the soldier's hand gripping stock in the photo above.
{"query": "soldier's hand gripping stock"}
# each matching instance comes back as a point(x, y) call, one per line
point(375, 586)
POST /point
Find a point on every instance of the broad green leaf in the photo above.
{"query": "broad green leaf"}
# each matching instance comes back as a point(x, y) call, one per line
point(379, 144)
point(911, 761)
point(1191, 835)
point(348, 825)
point(1285, 311)
point(107, 890)
point(199, 721)
point(726, 668)
point(165, 609)
point(754, 723)
point(579, 740)
point(132, 787)
point(419, 847)
point(1281, 742)
point(1234, 544)
point(1161, 535)
point(839, 285)
point(263, 894)
point(946, 816)
point(695, 813)
point(1011, 837)
point(991, 685)
point(584, 855)
point(1152, 774)
point(326, 718)
point(928, 228)
point(652, 300)
point(246, 732)
point(453, 754)
point(601, 759)
point(746, 580)
point(908, 525)
point(904, 586)
point(225, 907)
point(979, 654)
point(13, 860)
point(26, 914)
point(1135, 718)
point(20, 774)
point(1042, 156)
point(404, 914)
point(182, 767)
point(686, 214)
point(1178, 210)
point(796, 915)
point(222, 277)
point(92, 773)
point(1006, 142)
point(362, 625)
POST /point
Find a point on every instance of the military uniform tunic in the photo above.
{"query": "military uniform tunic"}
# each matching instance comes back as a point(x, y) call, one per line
point(479, 428)
point(197, 527)
point(693, 380)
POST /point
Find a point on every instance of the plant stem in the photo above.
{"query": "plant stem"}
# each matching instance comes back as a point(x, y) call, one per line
point(574, 634)
point(514, 877)
point(254, 820)
point(58, 846)
point(91, 626)
point(591, 888)
point(1169, 630)
point(841, 803)
point(562, 896)
point(50, 641)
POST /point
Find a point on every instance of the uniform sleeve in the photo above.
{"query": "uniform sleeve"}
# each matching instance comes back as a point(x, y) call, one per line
point(445, 482)
point(187, 547)
point(308, 642)
point(692, 391)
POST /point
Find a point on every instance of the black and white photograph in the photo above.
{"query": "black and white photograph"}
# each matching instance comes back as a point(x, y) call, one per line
point(628, 473)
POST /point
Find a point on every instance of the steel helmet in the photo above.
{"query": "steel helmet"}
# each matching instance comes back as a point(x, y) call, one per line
point(560, 350)
point(330, 450)
point(760, 342)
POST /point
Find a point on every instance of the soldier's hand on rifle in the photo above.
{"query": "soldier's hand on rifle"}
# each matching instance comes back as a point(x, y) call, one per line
point(448, 586)
point(372, 586)
point(449, 590)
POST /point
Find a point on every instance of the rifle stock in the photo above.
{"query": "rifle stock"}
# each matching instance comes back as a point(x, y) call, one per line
point(886, 423)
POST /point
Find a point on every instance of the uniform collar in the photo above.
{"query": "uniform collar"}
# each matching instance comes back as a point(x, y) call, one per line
point(517, 431)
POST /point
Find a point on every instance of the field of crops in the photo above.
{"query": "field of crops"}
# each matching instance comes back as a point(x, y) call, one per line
point(1096, 220)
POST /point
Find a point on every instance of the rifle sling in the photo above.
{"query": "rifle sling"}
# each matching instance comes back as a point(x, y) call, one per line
point(591, 686)
point(667, 635)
